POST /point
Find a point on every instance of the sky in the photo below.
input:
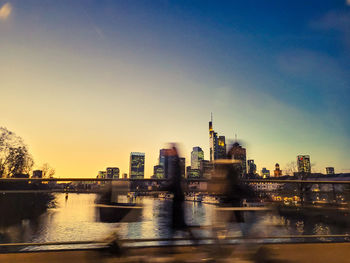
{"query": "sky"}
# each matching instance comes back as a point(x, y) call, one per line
point(85, 83)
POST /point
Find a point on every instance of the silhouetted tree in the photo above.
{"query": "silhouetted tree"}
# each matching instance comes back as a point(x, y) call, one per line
point(291, 168)
point(14, 155)
point(48, 171)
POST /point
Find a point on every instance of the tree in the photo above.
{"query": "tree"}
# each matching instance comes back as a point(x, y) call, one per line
point(48, 171)
point(14, 155)
point(291, 168)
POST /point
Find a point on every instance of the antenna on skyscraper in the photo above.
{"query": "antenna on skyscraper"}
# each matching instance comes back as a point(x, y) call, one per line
point(235, 137)
point(211, 117)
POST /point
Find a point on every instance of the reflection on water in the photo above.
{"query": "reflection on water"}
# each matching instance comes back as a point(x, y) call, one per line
point(74, 219)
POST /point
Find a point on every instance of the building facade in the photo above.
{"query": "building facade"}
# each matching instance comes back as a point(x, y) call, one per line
point(265, 173)
point(329, 170)
point(237, 152)
point(217, 144)
point(158, 172)
point(197, 155)
point(251, 167)
point(112, 172)
point(277, 172)
point(304, 165)
point(206, 169)
point(137, 165)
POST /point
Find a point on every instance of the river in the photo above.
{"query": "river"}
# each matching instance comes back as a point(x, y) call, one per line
point(75, 219)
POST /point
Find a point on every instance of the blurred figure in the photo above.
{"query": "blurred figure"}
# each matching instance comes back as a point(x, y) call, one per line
point(176, 187)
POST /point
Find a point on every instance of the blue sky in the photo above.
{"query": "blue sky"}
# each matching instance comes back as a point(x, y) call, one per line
point(95, 80)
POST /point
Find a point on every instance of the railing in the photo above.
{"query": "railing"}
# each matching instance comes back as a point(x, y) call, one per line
point(144, 240)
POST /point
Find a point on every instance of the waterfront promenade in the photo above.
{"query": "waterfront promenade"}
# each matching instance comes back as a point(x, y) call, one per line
point(312, 252)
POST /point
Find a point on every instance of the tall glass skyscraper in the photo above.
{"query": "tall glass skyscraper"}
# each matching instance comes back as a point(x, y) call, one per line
point(217, 144)
point(137, 165)
point(197, 155)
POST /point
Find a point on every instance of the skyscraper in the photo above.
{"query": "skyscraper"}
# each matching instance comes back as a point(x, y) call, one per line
point(221, 147)
point(137, 165)
point(167, 159)
point(213, 142)
point(197, 155)
point(239, 153)
point(158, 172)
point(304, 165)
point(251, 168)
point(217, 144)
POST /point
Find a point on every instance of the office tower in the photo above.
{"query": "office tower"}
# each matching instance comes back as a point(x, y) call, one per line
point(329, 170)
point(37, 174)
point(112, 172)
point(303, 162)
point(164, 161)
point(158, 172)
point(251, 167)
point(137, 165)
point(217, 144)
point(265, 173)
point(277, 172)
point(221, 147)
point(197, 155)
point(206, 169)
point(183, 166)
point(213, 142)
point(239, 153)
point(167, 160)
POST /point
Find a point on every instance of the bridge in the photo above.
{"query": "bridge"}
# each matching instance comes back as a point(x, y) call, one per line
point(277, 248)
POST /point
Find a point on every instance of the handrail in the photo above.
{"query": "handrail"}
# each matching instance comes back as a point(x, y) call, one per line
point(139, 240)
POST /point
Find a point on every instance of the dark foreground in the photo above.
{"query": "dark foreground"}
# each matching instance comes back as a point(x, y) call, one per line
point(317, 252)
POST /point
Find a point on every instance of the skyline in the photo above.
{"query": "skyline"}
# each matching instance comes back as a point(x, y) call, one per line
point(86, 83)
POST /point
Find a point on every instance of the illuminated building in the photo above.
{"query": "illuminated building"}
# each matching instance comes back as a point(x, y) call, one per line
point(102, 175)
point(265, 173)
point(239, 153)
point(192, 173)
point(158, 172)
point(37, 174)
point(112, 172)
point(303, 162)
point(167, 161)
point(277, 172)
point(197, 155)
point(251, 167)
point(329, 170)
point(217, 144)
point(137, 165)
point(221, 147)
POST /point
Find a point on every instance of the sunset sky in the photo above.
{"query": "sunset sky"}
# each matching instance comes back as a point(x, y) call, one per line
point(85, 83)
